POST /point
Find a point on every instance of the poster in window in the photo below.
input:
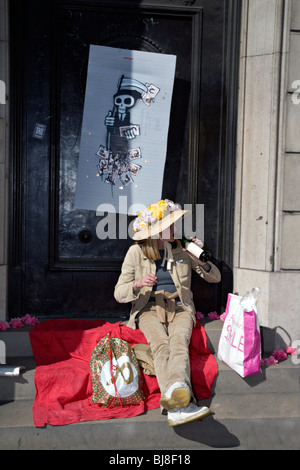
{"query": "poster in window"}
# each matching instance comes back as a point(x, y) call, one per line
point(125, 127)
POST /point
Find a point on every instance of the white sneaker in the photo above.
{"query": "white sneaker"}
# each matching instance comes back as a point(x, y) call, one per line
point(177, 396)
point(187, 415)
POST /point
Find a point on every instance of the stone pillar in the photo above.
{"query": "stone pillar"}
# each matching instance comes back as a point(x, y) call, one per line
point(263, 231)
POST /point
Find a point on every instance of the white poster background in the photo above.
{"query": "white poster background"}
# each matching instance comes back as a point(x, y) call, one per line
point(106, 66)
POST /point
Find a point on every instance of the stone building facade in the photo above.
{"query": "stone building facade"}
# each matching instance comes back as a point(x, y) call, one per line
point(267, 197)
point(267, 190)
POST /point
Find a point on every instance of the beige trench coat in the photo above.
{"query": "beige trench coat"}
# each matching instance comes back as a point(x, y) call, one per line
point(136, 265)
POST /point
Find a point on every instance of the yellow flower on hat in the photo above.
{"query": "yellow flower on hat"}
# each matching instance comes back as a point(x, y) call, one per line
point(143, 225)
point(146, 223)
point(158, 209)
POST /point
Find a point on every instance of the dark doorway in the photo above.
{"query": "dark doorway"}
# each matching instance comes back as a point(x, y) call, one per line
point(58, 266)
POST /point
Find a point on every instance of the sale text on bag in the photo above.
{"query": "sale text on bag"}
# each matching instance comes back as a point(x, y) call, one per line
point(235, 338)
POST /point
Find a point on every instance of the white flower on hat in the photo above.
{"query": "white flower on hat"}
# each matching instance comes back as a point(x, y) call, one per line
point(153, 213)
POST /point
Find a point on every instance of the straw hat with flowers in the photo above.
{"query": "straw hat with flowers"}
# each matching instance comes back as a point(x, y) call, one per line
point(156, 218)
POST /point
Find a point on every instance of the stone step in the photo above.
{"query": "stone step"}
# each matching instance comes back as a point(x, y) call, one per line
point(17, 341)
point(243, 422)
point(21, 387)
point(282, 378)
point(259, 412)
point(271, 339)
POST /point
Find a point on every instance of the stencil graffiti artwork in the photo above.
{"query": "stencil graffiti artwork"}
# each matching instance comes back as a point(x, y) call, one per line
point(115, 158)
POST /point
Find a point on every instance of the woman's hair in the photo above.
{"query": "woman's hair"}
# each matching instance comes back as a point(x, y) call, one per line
point(150, 248)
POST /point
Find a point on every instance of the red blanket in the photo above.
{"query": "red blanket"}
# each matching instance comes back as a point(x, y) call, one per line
point(62, 350)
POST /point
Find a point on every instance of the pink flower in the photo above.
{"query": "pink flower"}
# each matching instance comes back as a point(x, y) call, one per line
point(292, 351)
point(4, 325)
point(269, 361)
point(29, 320)
point(223, 316)
point(16, 323)
point(199, 315)
point(213, 316)
point(280, 355)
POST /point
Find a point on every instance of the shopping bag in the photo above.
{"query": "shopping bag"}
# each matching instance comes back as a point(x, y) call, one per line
point(232, 299)
point(240, 342)
point(115, 374)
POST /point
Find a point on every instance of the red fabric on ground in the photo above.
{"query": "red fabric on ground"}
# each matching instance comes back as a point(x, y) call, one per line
point(62, 349)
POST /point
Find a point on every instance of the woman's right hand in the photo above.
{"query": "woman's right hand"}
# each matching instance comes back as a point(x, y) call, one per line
point(148, 280)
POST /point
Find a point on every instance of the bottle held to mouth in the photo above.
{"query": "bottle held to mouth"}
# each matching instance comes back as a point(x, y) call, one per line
point(202, 254)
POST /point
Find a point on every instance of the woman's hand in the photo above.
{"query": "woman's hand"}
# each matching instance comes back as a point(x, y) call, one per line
point(148, 280)
point(198, 242)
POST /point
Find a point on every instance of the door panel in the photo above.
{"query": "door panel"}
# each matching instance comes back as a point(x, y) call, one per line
point(144, 30)
point(58, 266)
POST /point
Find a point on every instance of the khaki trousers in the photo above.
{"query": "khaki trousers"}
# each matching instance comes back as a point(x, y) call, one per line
point(169, 343)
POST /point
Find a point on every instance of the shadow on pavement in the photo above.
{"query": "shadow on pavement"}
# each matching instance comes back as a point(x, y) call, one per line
point(209, 432)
